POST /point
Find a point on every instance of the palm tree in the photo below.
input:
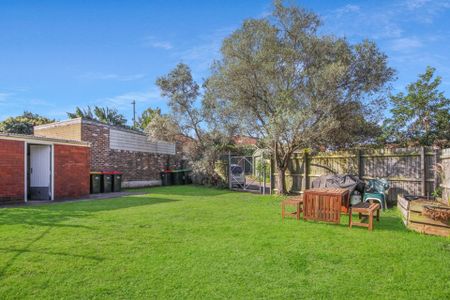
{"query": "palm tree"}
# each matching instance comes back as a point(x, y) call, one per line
point(109, 116)
point(102, 114)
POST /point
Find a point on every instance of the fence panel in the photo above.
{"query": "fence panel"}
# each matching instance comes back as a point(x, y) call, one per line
point(409, 170)
point(445, 176)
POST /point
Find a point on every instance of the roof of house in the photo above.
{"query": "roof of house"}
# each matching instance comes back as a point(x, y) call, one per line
point(245, 140)
point(87, 121)
point(34, 138)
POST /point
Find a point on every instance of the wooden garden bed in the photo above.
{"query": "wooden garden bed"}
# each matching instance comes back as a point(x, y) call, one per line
point(413, 218)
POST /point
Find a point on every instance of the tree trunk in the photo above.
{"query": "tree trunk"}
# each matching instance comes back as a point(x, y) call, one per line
point(281, 183)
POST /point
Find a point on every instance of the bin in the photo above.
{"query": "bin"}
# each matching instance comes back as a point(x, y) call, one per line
point(96, 182)
point(187, 177)
point(116, 181)
point(166, 178)
point(176, 177)
point(107, 182)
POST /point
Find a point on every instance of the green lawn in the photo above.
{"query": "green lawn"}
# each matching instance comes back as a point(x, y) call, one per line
point(191, 242)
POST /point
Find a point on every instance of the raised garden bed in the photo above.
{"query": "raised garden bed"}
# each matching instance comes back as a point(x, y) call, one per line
point(421, 214)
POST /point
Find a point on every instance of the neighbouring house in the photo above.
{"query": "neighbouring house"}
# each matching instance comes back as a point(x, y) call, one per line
point(243, 140)
point(37, 168)
point(116, 148)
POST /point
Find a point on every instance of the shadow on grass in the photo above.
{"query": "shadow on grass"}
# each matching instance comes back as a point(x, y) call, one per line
point(386, 223)
point(54, 214)
point(27, 249)
point(184, 190)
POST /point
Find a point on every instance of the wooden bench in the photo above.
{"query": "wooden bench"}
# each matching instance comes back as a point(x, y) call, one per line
point(366, 211)
point(296, 203)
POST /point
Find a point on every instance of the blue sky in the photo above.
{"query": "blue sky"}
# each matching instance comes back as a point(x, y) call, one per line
point(56, 55)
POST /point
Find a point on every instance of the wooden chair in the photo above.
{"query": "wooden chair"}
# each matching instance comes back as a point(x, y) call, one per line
point(296, 203)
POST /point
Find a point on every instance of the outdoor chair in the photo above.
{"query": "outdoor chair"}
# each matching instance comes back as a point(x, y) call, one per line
point(376, 191)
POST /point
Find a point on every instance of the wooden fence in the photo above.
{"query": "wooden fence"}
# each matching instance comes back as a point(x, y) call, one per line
point(445, 178)
point(409, 170)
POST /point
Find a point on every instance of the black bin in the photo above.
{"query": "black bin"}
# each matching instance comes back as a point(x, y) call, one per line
point(117, 182)
point(96, 182)
point(166, 178)
point(176, 177)
point(107, 182)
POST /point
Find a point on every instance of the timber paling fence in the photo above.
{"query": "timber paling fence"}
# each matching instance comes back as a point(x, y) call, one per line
point(409, 170)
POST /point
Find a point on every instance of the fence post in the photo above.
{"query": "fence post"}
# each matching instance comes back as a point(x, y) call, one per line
point(423, 171)
point(359, 163)
point(436, 179)
point(305, 171)
point(230, 184)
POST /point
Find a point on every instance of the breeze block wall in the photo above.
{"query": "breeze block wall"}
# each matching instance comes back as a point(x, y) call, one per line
point(72, 167)
point(11, 171)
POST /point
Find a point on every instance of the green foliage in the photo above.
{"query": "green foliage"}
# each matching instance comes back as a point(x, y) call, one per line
point(147, 116)
point(262, 166)
point(24, 123)
point(102, 114)
point(186, 123)
point(421, 116)
point(437, 192)
point(282, 81)
point(187, 242)
point(85, 113)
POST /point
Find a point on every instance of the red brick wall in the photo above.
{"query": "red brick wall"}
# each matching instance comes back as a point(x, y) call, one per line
point(72, 166)
point(135, 166)
point(11, 171)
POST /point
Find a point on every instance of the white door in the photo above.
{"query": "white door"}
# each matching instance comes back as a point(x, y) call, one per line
point(40, 167)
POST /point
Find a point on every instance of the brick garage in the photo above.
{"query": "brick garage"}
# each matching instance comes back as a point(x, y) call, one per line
point(68, 168)
point(117, 149)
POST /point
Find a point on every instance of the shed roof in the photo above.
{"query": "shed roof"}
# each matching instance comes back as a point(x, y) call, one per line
point(41, 139)
point(87, 121)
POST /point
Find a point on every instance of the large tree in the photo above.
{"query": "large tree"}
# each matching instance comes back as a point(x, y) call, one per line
point(422, 115)
point(185, 123)
point(24, 123)
point(281, 81)
point(106, 115)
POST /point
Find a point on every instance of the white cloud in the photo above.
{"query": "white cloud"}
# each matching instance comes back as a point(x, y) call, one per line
point(383, 20)
point(111, 76)
point(349, 8)
point(201, 55)
point(406, 44)
point(4, 97)
point(426, 11)
point(124, 100)
point(152, 42)
point(414, 4)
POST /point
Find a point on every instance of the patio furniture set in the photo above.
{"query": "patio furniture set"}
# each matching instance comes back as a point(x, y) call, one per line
point(327, 204)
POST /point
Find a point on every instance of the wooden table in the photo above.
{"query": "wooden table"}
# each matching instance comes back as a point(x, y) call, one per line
point(295, 202)
point(365, 210)
point(325, 204)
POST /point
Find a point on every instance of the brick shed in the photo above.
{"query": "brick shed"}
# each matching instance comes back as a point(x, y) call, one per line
point(33, 168)
point(116, 148)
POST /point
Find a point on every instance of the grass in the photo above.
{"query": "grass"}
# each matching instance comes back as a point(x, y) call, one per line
point(192, 242)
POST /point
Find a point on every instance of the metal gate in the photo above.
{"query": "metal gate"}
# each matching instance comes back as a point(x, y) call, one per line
point(245, 174)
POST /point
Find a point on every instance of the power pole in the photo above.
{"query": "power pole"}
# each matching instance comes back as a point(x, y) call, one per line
point(134, 113)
